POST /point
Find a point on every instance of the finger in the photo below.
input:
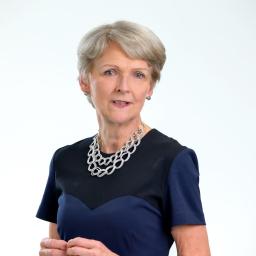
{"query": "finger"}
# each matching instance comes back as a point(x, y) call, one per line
point(74, 251)
point(52, 252)
point(53, 244)
point(84, 242)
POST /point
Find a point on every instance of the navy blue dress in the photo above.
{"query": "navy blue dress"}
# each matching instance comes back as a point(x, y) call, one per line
point(133, 210)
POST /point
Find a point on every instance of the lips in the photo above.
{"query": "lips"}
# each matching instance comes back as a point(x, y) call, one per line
point(121, 103)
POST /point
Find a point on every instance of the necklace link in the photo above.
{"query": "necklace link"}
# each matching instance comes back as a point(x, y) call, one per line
point(115, 161)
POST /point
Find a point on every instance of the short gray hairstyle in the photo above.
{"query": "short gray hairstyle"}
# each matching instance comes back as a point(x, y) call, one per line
point(137, 41)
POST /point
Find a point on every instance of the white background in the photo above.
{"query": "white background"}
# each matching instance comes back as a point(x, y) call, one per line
point(206, 100)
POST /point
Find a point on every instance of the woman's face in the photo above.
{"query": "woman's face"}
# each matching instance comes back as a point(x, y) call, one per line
point(118, 86)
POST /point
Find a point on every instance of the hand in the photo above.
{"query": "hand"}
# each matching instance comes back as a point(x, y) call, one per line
point(87, 247)
point(53, 247)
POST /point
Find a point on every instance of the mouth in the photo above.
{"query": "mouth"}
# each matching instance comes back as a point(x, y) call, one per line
point(121, 103)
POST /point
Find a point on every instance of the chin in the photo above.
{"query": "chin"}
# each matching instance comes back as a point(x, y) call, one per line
point(121, 119)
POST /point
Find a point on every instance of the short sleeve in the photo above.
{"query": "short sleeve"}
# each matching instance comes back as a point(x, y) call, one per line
point(49, 204)
point(183, 199)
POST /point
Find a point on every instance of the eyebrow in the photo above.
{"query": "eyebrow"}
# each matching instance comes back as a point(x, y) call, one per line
point(136, 68)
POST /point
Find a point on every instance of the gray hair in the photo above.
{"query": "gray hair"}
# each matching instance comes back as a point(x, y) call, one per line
point(136, 41)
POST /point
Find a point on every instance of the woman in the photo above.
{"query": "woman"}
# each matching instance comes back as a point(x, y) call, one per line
point(128, 190)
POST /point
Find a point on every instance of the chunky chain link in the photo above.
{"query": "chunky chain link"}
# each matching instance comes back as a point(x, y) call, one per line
point(109, 164)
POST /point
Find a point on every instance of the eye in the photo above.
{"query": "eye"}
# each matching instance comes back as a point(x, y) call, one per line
point(109, 72)
point(139, 75)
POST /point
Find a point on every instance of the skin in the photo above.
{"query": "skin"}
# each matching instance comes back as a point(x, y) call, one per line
point(191, 240)
point(118, 86)
point(117, 78)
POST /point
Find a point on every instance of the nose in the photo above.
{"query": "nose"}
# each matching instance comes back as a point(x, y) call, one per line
point(122, 84)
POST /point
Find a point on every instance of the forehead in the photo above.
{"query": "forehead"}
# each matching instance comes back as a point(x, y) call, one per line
point(115, 55)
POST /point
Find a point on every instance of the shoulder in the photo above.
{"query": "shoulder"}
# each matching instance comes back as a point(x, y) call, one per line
point(67, 151)
point(185, 157)
point(164, 144)
point(176, 155)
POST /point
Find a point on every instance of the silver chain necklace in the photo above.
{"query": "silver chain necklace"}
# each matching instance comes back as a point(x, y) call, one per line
point(109, 164)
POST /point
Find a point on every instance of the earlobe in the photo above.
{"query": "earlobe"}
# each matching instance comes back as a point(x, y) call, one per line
point(149, 94)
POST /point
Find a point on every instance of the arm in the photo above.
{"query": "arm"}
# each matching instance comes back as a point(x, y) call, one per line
point(53, 233)
point(191, 240)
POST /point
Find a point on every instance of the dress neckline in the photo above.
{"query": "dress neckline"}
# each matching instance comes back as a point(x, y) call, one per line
point(141, 143)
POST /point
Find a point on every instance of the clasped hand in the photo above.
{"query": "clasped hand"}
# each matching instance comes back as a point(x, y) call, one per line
point(74, 247)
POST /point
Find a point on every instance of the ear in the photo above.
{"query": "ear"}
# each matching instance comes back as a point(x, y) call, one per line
point(84, 84)
point(150, 91)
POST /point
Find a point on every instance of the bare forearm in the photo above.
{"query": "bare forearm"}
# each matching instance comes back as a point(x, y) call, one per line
point(191, 240)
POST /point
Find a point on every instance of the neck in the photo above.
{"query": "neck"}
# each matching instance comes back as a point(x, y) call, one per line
point(113, 136)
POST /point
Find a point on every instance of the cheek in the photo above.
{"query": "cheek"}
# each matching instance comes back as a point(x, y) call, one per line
point(142, 94)
point(100, 92)
point(96, 89)
point(140, 99)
